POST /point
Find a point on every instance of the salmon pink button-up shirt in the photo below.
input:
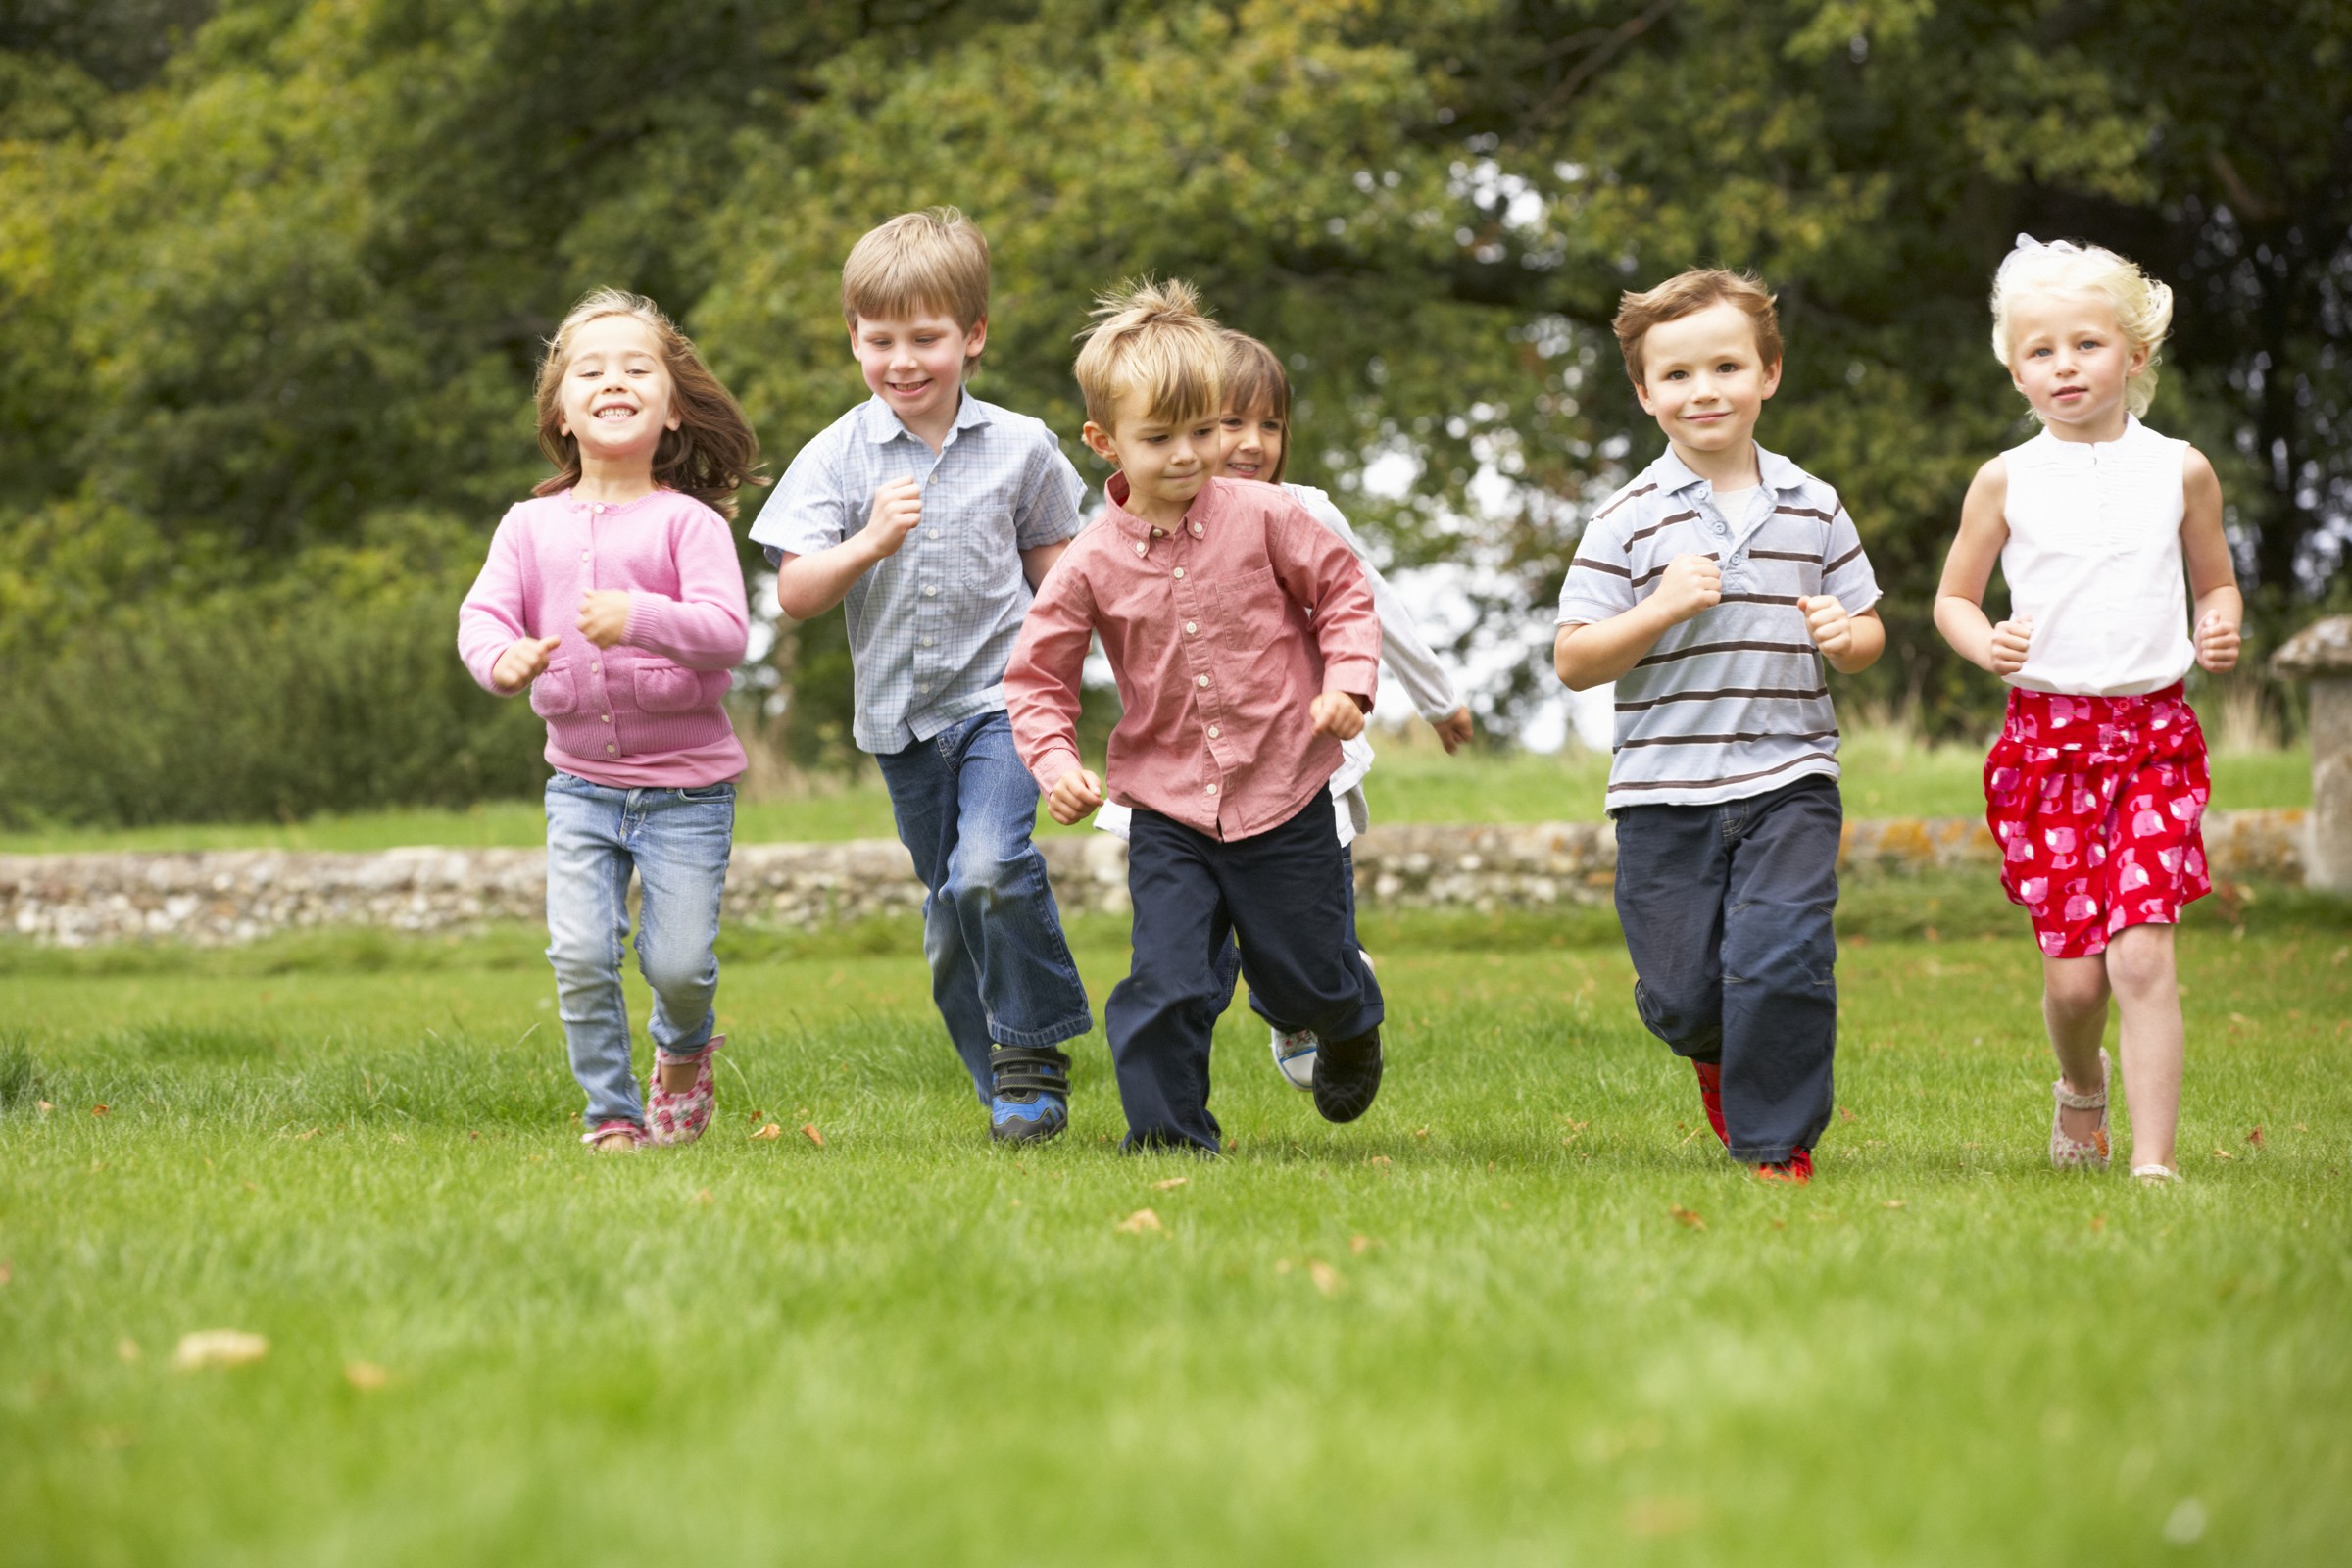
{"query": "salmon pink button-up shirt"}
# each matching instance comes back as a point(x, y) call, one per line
point(1221, 631)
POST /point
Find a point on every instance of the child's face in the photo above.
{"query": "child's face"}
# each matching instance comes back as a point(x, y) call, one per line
point(1703, 380)
point(2073, 363)
point(1250, 443)
point(916, 363)
point(617, 396)
point(1166, 460)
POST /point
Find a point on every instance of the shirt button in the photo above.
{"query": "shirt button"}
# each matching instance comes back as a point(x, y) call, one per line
point(1140, 547)
point(1159, 533)
point(922, 686)
point(1212, 732)
point(1720, 529)
point(930, 590)
point(610, 749)
point(1179, 571)
point(1196, 530)
point(607, 717)
point(926, 641)
point(1203, 680)
point(583, 555)
point(1189, 628)
point(598, 508)
point(595, 669)
point(1210, 790)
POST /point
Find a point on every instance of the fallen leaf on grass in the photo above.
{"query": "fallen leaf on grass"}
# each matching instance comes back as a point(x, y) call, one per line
point(2098, 1223)
point(1421, 1133)
point(98, 1111)
point(476, 1137)
point(1847, 1112)
point(1689, 1216)
point(1138, 1222)
point(5, 1270)
point(209, 1347)
point(1377, 1160)
point(128, 1348)
point(2254, 1136)
point(809, 1132)
point(1361, 1245)
point(43, 1106)
point(702, 1195)
point(1326, 1279)
point(365, 1376)
point(766, 1130)
point(2223, 1154)
point(1894, 1202)
point(303, 1138)
point(1170, 1185)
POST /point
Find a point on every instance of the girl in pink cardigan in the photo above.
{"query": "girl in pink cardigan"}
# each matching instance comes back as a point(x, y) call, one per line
point(615, 596)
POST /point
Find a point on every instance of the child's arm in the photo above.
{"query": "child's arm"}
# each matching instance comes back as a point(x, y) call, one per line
point(1041, 695)
point(1051, 512)
point(1035, 564)
point(1850, 640)
point(806, 586)
point(1960, 597)
point(1593, 653)
point(1415, 665)
point(1322, 576)
point(2211, 576)
point(493, 637)
point(708, 626)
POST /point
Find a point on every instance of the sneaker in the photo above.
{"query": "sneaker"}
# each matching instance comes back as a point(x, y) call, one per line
point(1710, 1097)
point(1348, 1076)
point(1796, 1170)
point(672, 1120)
point(1030, 1102)
point(1295, 1056)
point(596, 1136)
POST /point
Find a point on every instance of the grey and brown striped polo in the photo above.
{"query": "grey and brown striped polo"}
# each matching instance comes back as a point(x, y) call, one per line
point(1735, 701)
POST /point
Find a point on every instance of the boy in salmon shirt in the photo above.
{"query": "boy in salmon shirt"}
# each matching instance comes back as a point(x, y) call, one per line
point(1246, 646)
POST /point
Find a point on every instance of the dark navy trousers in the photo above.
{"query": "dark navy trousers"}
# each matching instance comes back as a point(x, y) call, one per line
point(1285, 896)
point(1727, 912)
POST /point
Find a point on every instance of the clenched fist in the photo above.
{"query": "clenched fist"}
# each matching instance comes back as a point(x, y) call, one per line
point(1338, 715)
point(2010, 640)
point(604, 616)
point(1073, 795)
point(522, 661)
point(1692, 585)
point(1831, 629)
point(898, 509)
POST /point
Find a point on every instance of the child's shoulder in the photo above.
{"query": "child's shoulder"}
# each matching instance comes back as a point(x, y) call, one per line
point(1016, 430)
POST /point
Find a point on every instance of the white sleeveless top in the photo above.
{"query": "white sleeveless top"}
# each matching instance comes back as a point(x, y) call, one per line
point(2094, 557)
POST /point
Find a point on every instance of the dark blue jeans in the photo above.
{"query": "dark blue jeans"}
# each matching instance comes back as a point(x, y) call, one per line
point(1000, 970)
point(1726, 912)
point(1284, 895)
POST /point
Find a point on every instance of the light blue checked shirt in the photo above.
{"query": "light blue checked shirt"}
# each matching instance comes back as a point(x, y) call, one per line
point(931, 627)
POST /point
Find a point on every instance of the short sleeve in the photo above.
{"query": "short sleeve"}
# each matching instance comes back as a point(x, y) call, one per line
point(1599, 584)
point(1052, 498)
point(1845, 573)
point(809, 510)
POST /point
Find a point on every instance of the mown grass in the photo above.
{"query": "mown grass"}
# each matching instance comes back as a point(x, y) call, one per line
point(1888, 773)
point(1520, 1314)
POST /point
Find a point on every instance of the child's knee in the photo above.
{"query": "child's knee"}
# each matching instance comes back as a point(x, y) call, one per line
point(984, 876)
point(1687, 1017)
point(2074, 985)
point(2140, 960)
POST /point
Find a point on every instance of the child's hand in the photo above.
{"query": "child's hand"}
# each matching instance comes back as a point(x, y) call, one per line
point(1074, 796)
point(2216, 643)
point(1338, 715)
point(1826, 618)
point(604, 616)
point(2010, 639)
point(898, 508)
point(1692, 585)
point(1454, 730)
point(522, 661)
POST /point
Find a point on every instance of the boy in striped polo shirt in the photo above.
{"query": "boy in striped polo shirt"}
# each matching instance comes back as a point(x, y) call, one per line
point(1712, 589)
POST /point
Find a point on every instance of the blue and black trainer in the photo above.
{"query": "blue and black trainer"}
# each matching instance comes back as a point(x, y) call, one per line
point(1030, 1101)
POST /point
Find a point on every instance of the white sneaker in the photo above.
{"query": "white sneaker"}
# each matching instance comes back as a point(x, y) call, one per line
point(1295, 1049)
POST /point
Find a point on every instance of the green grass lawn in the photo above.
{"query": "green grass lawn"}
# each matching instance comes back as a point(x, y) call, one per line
point(1522, 1313)
point(1887, 774)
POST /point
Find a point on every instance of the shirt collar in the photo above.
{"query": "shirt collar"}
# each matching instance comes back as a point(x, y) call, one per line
point(881, 426)
point(1672, 475)
point(1115, 493)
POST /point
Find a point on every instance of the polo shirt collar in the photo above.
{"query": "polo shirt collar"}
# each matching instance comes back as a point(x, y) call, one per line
point(1672, 475)
point(882, 426)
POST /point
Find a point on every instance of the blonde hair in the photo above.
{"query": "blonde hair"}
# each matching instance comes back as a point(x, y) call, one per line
point(1255, 379)
point(1151, 337)
point(2143, 307)
point(1688, 294)
point(935, 260)
point(709, 456)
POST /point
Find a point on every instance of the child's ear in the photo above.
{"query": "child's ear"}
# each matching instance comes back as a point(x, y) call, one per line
point(1772, 378)
point(1098, 441)
point(976, 340)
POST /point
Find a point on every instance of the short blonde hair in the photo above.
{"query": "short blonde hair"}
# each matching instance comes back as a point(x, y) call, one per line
point(709, 456)
point(1688, 294)
point(2143, 307)
point(935, 260)
point(1151, 337)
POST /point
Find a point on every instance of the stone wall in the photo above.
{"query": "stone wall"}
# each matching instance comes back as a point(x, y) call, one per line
point(231, 896)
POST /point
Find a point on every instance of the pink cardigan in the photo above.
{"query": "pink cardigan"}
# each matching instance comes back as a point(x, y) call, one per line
point(644, 712)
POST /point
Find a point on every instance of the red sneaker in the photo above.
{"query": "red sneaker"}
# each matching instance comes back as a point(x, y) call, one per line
point(1796, 1170)
point(1710, 1097)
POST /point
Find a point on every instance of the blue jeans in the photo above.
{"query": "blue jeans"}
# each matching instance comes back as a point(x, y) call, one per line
point(1000, 970)
point(1728, 917)
point(677, 843)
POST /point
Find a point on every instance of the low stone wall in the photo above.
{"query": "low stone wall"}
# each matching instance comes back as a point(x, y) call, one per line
point(231, 896)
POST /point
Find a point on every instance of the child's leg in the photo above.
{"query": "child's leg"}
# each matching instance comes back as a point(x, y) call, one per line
point(923, 800)
point(2147, 993)
point(2074, 1006)
point(1349, 944)
point(1780, 963)
point(587, 923)
point(681, 840)
point(1671, 871)
point(1293, 912)
point(1162, 1017)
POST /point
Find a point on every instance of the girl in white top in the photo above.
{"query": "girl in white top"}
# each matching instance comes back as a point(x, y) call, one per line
point(2097, 784)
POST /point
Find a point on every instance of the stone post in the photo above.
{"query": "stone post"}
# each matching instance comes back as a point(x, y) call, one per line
point(2321, 653)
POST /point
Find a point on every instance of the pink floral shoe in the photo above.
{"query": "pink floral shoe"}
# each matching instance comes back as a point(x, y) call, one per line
point(2068, 1152)
point(679, 1119)
point(595, 1137)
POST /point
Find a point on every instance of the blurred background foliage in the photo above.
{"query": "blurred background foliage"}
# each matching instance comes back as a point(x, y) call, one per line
point(275, 274)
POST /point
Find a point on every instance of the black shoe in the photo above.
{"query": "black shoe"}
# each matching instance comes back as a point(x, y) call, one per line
point(1348, 1076)
point(1030, 1097)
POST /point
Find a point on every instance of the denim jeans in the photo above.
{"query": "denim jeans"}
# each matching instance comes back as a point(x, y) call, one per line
point(1000, 969)
point(1727, 912)
point(677, 843)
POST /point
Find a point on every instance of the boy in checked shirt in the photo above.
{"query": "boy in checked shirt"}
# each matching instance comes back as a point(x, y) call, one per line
point(1246, 646)
point(1712, 589)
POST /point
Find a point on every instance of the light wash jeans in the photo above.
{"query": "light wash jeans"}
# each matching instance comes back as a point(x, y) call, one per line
point(1001, 972)
point(677, 843)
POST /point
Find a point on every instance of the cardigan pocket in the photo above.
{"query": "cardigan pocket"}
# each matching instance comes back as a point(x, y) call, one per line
point(668, 688)
point(554, 694)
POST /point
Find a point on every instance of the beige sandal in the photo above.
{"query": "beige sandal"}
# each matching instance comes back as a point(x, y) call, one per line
point(2155, 1175)
point(2066, 1152)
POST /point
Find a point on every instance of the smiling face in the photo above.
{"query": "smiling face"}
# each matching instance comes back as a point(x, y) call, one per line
point(618, 395)
point(1166, 460)
point(2073, 363)
point(916, 363)
point(1704, 381)
point(1250, 442)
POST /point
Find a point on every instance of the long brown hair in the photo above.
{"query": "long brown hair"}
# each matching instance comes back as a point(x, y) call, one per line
point(1255, 379)
point(709, 456)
